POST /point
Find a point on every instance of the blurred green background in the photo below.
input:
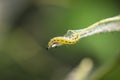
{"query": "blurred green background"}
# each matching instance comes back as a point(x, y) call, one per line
point(26, 26)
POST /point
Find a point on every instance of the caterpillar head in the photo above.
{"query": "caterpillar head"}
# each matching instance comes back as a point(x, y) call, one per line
point(54, 42)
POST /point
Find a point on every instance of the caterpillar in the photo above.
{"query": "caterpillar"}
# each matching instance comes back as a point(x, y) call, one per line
point(58, 41)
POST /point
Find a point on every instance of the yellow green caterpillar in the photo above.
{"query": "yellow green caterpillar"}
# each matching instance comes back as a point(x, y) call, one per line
point(57, 41)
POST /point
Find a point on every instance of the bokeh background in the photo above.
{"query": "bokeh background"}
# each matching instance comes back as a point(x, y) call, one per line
point(26, 26)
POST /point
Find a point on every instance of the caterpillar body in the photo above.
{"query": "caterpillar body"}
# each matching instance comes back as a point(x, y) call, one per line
point(58, 41)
